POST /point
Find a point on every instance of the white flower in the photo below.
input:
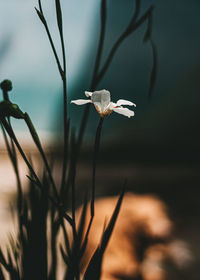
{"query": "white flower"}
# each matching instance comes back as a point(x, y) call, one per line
point(103, 105)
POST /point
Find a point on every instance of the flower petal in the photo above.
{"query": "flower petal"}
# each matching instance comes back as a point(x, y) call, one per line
point(124, 111)
point(125, 102)
point(112, 105)
point(101, 98)
point(81, 101)
point(88, 93)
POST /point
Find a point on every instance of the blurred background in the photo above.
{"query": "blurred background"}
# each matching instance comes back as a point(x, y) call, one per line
point(158, 150)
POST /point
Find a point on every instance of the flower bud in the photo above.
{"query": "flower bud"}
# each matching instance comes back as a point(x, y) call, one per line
point(6, 85)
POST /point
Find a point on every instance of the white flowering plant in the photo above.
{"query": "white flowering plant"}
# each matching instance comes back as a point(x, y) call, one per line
point(28, 257)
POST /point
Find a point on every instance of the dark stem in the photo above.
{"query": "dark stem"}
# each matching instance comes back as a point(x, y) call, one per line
point(92, 87)
point(50, 40)
point(72, 182)
point(66, 132)
point(64, 79)
point(95, 157)
point(5, 95)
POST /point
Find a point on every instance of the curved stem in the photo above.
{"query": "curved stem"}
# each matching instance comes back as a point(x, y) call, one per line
point(129, 30)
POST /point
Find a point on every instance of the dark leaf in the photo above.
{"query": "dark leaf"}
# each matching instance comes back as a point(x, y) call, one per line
point(32, 129)
point(109, 228)
point(32, 180)
point(94, 268)
point(81, 224)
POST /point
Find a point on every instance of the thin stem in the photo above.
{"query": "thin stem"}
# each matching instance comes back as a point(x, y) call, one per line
point(5, 95)
point(71, 182)
point(50, 39)
point(66, 132)
point(95, 156)
point(73, 189)
point(64, 79)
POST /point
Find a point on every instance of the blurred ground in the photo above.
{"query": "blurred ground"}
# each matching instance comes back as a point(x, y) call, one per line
point(176, 183)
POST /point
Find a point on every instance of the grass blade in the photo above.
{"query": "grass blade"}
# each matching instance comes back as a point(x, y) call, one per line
point(94, 268)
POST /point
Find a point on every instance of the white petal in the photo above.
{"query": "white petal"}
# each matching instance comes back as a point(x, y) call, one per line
point(103, 91)
point(124, 111)
point(88, 93)
point(81, 101)
point(101, 98)
point(125, 102)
